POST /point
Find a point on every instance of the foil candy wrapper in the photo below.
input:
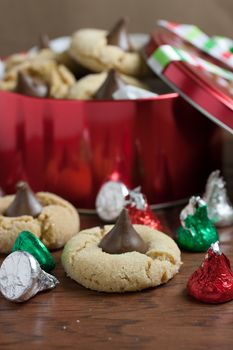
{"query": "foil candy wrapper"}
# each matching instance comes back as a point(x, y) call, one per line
point(220, 209)
point(114, 196)
point(215, 248)
point(110, 200)
point(21, 277)
point(190, 209)
point(136, 199)
point(197, 232)
point(139, 210)
point(129, 92)
point(28, 242)
point(212, 282)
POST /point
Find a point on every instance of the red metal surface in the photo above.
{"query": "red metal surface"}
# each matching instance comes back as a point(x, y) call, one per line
point(71, 147)
point(213, 95)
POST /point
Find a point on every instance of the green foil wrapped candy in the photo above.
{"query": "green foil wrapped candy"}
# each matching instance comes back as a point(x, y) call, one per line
point(28, 242)
point(197, 232)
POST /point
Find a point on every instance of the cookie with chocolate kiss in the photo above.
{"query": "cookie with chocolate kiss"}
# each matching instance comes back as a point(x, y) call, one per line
point(24, 203)
point(118, 35)
point(31, 86)
point(123, 238)
point(112, 83)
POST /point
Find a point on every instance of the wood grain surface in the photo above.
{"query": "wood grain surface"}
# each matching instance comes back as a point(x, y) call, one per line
point(72, 317)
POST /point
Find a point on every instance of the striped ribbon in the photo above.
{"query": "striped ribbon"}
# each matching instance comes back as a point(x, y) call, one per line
point(220, 49)
point(166, 54)
point(225, 43)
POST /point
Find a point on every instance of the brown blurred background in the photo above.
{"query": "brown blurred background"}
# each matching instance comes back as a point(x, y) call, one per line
point(22, 20)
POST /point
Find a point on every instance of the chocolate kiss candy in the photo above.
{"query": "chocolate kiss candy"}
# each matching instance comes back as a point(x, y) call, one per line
point(212, 282)
point(112, 83)
point(139, 210)
point(21, 277)
point(220, 209)
point(197, 231)
point(118, 35)
point(44, 42)
point(31, 86)
point(24, 203)
point(122, 238)
point(28, 242)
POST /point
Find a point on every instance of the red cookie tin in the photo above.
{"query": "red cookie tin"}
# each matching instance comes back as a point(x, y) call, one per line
point(71, 147)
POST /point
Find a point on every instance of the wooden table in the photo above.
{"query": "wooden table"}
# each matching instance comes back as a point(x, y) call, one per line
point(73, 317)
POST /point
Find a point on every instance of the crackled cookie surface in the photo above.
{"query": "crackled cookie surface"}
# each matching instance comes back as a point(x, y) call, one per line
point(56, 223)
point(85, 261)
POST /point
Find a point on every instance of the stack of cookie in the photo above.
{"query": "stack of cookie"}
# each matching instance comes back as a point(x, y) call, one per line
point(96, 64)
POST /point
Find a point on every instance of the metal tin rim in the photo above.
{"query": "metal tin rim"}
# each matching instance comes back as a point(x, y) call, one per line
point(158, 206)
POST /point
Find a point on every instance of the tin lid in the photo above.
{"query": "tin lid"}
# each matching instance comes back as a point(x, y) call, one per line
point(202, 80)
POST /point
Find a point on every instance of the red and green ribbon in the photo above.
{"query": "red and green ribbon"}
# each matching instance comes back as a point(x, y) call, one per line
point(166, 54)
point(220, 48)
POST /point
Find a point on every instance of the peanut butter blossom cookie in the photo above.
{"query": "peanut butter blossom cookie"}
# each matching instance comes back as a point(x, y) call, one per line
point(99, 50)
point(47, 216)
point(121, 258)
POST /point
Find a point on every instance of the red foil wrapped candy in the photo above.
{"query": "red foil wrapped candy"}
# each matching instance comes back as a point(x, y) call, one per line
point(139, 210)
point(212, 282)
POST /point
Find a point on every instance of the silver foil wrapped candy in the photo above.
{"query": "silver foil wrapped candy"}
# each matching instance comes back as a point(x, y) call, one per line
point(21, 277)
point(136, 199)
point(220, 209)
point(110, 200)
point(190, 209)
